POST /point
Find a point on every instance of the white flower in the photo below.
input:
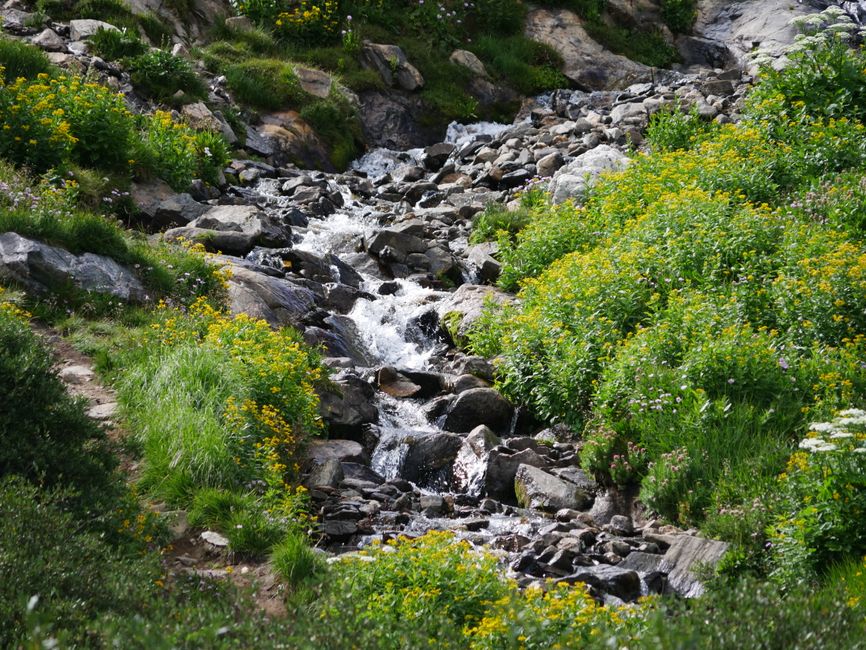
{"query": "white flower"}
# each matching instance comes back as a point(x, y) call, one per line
point(822, 427)
point(837, 436)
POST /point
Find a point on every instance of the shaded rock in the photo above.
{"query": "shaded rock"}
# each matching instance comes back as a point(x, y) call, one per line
point(293, 141)
point(430, 457)
point(320, 451)
point(395, 383)
point(501, 469)
point(48, 40)
point(361, 472)
point(160, 203)
point(391, 64)
point(537, 489)
point(622, 583)
point(214, 241)
point(478, 406)
point(394, 121)
point(703, 51)
point(314, 82)
point(326, 474)
point(43, 268)
point(348, 406)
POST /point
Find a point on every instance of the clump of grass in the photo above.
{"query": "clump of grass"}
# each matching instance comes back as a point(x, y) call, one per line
point(165, 77)
point(269, 84)
point(113, 44)
point(19, 59)
point(523, 64)
point(295, 561)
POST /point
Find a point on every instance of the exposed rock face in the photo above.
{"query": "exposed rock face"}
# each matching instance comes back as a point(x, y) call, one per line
point(349, 406)
point(588, 64)
point(273, 299)
point(393, 121)
point(537, 489)
point(684, 555)
point(428, 455)
point(469, 61)
point(293, 141)
point(42, 268)
point(743, 26)
point(392, 65)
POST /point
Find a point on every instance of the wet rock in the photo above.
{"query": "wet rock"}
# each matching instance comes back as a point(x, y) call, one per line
point(537, 489)
point(621, 525)
point(432, 505)
point(43, 268)
point(348, 406)
point(396, 384)
point(394, 121)
point(436, 155)
point(394, 245)
point(361, 472)
point(478, 406)
point(430, 457)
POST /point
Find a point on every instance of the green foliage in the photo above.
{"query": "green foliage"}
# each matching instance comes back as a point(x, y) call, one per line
point(672, 130)
point(270, 84)
point(218, 402)
point(45, 435)
point(336, 123)
point(113, 44)
point(529, 67)
point(824, 500)
point(679, 15)
point(496, 220)
point(18, 59)
point(295, 561)
point(647, 46)
point(160, 75)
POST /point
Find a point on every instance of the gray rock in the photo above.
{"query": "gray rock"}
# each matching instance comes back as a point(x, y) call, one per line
point(326, 474)
point(572, 181)
point(348, 406)
point(468, 60)
point(465, 306)
point(43, 268)
point(430, 457)
point(622, 583)
point(83, 29)
point(684, 555)
point(264, 229)
point(547, 165)
point(214, 241)
point(48, 40)
point(320, 451)
point(273, 299)
point(501, 470)
point(537, 489)
point(215, 539)
point(478, 406)
point(391, 64)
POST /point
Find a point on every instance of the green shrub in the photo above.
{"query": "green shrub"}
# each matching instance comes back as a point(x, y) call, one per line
point(670, 130)
point(824, 502)
point(336, 122)
point(679, 15)
point(647, 46)
point(219, 402)
point(496, 219)
point(160, 75)
point(19, 59)
point(295, 561)
point(113, 44)
point(265, 83)
point(527, 66)
point(45, 434)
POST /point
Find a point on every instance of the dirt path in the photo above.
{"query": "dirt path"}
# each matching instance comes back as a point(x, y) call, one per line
point(188, 553)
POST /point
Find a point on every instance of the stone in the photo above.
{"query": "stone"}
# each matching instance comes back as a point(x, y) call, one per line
point(239, 23)
point(292, 141)
point(200, 117)
point(273, 299)
point(587, 63)
point(157, 201)
point(43, 268)
point(83, 29)
point(314, 82)
point(215, 539)
point(462, 308)
point(703, 51)
point(400, 244)
point(349, 406)
point(214, 241)
point(547, 165)
point(685, 554)
point(430, 456)
point(537, 489)
point(76, 374)
point(622, 583)
point(392, 65)
point(396, 384)
point(501, 469)
point(572, 180)
point(326, 474)
point(468, 60)
point(48, 40)
point(104, 411)
point(394, 121)
point(478, 406)
point(264, 229)
point(321, 451)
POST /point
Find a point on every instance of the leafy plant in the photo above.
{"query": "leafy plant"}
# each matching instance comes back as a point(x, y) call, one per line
point(112, 44)
point(161, 75)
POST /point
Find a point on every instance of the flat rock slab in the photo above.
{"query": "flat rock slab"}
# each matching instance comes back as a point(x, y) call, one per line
point(686, 554)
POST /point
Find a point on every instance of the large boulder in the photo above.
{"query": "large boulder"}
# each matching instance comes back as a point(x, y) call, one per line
point(348, 405)
point(587, 63)
point(233, 229)
point(430, 457)
point(394, 121)
point(743, 26)
point(293, 141)
point(263, 296)
point(478, 406)
point(163, 207)
point(619, 582)
point(537, 489)
point(83, 29)
point(572, 181)
point(43, 268)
